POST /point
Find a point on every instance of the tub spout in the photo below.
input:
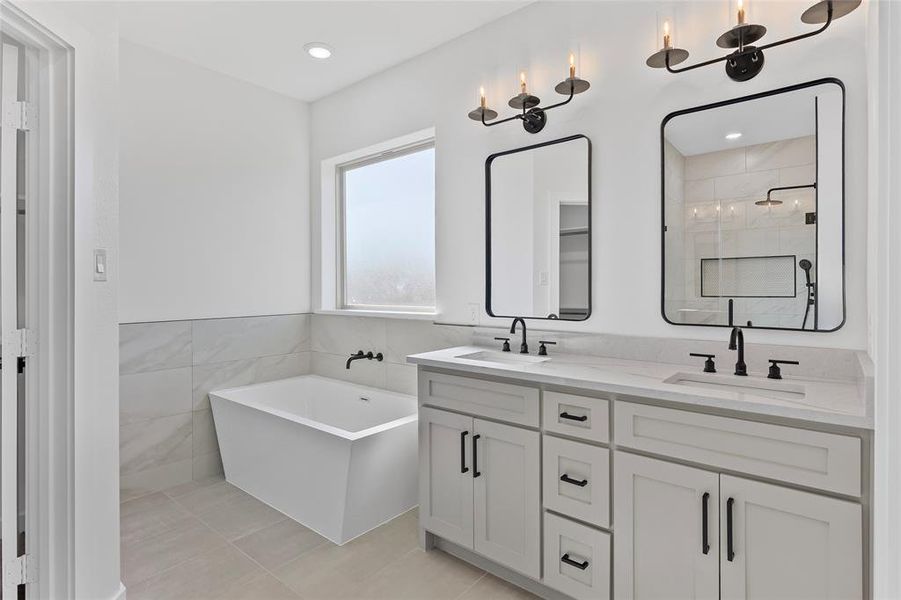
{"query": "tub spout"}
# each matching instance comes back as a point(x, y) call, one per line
point(361, 355)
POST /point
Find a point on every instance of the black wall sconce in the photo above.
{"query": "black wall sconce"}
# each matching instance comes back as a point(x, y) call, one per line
point(747, 60)
point(533, 117)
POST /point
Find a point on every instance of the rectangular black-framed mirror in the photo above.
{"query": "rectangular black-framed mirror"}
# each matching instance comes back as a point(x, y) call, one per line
point(752, 201)
point(538, 231)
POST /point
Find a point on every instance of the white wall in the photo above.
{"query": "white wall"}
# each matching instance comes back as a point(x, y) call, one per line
point(621, 114)
point(214, 194)
point(91, 29)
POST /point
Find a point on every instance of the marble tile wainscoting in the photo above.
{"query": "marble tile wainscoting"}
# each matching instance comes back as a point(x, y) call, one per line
point(167, 435)
point(335, 337)
point(166, 370)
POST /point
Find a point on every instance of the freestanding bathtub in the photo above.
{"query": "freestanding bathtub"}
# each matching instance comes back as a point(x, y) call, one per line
point(338, 458)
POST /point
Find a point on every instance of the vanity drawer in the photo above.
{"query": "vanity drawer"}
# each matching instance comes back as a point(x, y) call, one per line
point(587, 576)
point(577, 416)
point(503, 401)
point(815, 459)
point(577, 480)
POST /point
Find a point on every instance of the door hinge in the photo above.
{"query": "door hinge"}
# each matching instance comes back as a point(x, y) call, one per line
point(20, 570)
point(22, 342)
point(20, 115)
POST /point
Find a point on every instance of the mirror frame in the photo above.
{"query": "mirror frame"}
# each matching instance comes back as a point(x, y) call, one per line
point(714, 105)
point(488, 162)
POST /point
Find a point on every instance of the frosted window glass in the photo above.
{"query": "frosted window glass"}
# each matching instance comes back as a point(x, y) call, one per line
point(389, 233)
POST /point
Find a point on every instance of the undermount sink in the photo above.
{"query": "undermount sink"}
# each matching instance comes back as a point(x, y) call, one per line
point(506, 358)
point(741, 385)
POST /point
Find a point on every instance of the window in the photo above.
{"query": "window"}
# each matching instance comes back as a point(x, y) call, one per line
point(387, 222)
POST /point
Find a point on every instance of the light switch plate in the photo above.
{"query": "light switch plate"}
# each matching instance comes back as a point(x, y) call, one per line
point(100, 266)
point(474, 313)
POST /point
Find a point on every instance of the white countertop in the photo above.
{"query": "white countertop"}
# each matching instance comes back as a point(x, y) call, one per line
point(829, 402)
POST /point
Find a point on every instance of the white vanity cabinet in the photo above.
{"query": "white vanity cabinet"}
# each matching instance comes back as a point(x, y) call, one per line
point(659, 514)
point(684, 532)
point(480, 487)
point(787, 543)
point(592, 495)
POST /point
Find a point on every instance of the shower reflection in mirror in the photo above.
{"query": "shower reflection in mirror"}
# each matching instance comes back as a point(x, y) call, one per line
point(753, 203)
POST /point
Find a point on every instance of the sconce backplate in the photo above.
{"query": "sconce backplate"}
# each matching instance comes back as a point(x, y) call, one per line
point(744, 65)
point(534, 120)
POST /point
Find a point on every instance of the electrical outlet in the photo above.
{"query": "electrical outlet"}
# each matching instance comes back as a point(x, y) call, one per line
point(474, 313)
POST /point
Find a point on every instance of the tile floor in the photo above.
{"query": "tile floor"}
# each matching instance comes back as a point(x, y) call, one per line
point(210, 540)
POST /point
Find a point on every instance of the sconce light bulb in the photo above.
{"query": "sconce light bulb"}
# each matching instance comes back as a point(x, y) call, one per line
point(741, 12)
point(667, 38)
point(482, 102)
point(572, 65)
point(522, 81)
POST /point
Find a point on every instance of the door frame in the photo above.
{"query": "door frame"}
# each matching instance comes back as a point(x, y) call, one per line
point(49, 311)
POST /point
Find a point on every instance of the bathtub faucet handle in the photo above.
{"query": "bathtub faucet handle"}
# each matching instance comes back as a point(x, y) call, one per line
point(360, 355)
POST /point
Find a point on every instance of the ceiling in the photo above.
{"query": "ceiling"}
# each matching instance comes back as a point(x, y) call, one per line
point(767, 119)
point(262, 42)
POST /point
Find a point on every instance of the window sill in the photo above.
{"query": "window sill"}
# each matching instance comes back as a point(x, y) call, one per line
point(413, 316)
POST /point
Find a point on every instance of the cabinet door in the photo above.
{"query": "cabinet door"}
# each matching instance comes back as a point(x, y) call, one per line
point(788, 544)
point(506, 481)
point(659, 514)
point(445, 475)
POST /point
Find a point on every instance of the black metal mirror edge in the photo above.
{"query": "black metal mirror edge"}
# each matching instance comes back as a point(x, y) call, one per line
point(488, 162)
point(765, 94)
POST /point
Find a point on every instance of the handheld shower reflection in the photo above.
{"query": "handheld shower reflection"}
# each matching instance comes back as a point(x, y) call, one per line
point(806, 266)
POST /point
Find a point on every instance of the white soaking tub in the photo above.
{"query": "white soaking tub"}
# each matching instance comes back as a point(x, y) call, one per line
point(339, 458)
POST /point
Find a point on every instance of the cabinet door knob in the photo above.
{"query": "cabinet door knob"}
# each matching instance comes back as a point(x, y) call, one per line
point(579, 565)
point(578, 482)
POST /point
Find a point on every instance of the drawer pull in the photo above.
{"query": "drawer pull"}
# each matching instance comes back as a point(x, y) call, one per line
point(566, 415)
point(463, 467)
point(579, 565)
point(730, 552)
point(578, 482)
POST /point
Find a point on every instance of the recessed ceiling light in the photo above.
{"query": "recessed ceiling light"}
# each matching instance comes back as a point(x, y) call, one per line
point(318, 50)
point(733, 136)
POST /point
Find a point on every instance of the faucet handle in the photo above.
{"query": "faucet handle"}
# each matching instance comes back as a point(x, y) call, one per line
point(506, 341)
point(709, 365)
point(542, 349)
point(775, 371)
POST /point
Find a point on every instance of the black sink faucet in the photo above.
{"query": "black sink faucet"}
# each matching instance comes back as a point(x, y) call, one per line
point(524, 347)
point(737, 342)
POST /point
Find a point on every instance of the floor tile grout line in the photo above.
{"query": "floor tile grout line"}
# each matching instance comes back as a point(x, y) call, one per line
point(272, 574)
point(474, 583)
point(187, 560)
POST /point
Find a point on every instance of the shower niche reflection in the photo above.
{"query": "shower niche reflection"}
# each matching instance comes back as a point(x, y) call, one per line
point(538, 237)
point(753, 210)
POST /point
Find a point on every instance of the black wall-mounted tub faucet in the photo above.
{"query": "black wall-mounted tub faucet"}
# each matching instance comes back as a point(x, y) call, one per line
point(360, 355)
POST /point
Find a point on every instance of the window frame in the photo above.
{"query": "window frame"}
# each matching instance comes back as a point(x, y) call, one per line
point(341, 168)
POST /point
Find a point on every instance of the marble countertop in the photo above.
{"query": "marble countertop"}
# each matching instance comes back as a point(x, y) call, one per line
point(843, 403)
